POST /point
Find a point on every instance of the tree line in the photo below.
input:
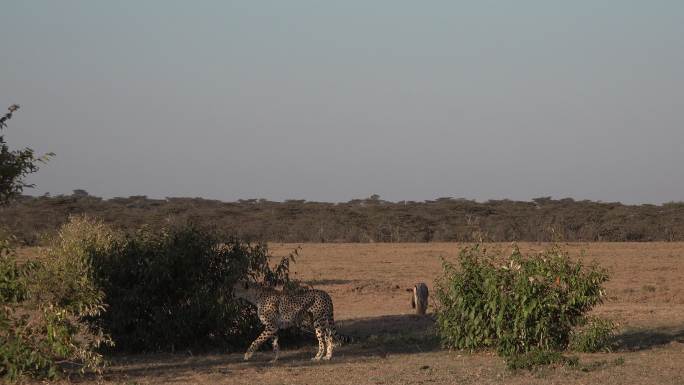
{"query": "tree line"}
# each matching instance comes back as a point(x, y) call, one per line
point(360, 220)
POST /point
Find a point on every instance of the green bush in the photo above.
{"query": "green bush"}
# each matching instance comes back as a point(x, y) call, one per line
point(42, 315)
point(172, 289)
point(515, 304)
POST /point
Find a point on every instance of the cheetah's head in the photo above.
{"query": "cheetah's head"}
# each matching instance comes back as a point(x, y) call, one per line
point(246, 290)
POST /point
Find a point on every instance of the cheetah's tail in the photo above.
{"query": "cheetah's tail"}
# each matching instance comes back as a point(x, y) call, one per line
point(339, 339)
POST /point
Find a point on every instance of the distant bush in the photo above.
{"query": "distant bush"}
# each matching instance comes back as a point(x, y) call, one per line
point(43, 307)
point(171, 289)
point(516, 304)
point(597, 335)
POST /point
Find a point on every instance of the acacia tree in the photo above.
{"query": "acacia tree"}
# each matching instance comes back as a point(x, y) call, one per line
point(15, 165)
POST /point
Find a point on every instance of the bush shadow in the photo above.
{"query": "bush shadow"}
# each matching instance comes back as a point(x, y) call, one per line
point(390, 334)
point(644, 339)
point(324, 282)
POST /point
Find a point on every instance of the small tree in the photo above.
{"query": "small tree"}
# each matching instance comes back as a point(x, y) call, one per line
point(33, 334)
point(15, 165)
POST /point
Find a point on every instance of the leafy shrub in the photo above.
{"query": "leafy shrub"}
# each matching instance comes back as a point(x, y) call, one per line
point(596, 336)
point(42, 317)
point(15, 351)
point(68, 278)
point(171, 288)
point(516, 304)
point(13, 277)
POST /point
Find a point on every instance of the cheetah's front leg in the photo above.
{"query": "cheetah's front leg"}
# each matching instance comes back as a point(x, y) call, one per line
point(263, 337)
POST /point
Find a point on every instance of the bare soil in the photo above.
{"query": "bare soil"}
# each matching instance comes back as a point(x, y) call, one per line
point(368, 285)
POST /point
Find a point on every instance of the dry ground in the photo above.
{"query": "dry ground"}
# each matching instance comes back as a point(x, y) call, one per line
point(367, 283)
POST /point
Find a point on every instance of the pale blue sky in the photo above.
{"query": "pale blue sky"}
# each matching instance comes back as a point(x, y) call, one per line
point(331, 101)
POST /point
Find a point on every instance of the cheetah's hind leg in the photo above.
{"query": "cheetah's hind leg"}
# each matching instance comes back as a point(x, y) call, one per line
point(329, 342)
point(276, 349)
point(321, 343)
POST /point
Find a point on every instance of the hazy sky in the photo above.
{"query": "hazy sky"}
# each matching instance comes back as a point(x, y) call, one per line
point(330, 101)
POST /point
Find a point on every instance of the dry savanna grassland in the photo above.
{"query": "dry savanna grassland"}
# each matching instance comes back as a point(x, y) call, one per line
point(368, 282)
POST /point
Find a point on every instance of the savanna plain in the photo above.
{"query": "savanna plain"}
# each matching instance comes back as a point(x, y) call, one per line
point(368, 282)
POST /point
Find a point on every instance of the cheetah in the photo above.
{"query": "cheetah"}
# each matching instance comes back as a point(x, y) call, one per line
point(280, 310)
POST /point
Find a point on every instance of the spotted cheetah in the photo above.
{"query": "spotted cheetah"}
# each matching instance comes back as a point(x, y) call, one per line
point(280, 310)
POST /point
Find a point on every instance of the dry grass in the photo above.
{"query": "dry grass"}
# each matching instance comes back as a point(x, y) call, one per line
point(367, 283)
